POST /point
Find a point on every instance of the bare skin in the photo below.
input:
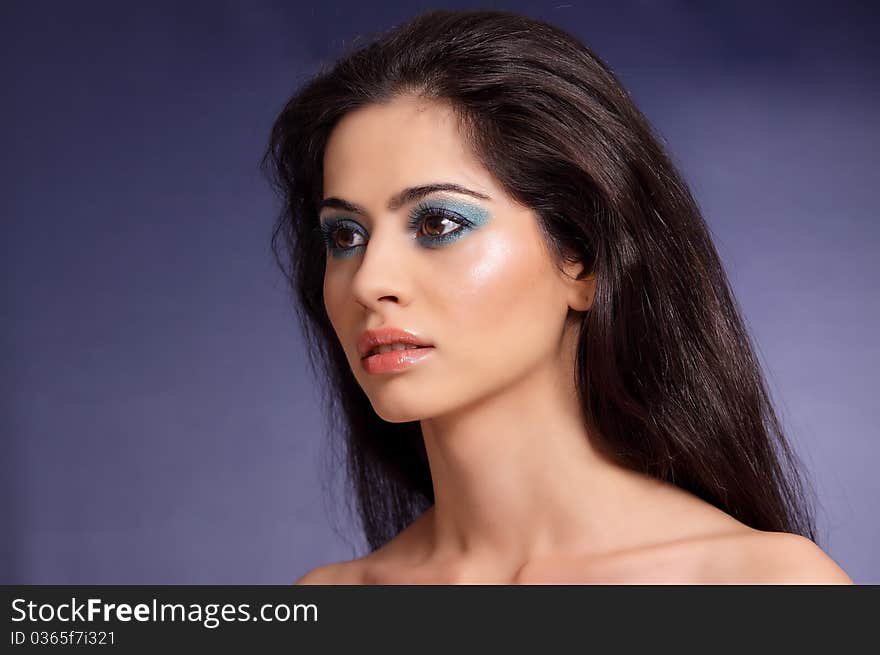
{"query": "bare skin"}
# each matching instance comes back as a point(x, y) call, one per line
point(522, 496)
point(730, 553)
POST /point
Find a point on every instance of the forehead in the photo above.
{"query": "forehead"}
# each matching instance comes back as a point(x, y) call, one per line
point(406, 141)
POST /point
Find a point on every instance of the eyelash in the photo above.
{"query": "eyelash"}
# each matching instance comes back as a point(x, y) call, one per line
point(417, 215)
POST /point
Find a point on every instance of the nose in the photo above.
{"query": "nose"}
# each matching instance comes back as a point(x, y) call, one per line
point(381, 277)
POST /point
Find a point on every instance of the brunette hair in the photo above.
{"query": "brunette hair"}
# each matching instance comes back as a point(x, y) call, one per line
point(666, 372)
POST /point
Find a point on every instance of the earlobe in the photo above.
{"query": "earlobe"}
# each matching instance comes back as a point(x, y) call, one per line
point(582, 295)
point(581, 288)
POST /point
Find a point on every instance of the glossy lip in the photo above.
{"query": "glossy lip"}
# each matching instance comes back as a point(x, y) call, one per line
point(396, 360)
point(387, 336)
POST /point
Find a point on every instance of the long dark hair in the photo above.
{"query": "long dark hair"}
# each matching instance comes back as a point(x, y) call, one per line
point(666, 372)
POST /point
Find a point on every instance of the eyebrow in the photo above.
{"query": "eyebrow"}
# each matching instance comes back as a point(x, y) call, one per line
point(408, 195)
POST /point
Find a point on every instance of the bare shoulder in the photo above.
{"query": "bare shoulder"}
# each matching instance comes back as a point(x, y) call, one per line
point(386, 564)
point(779, 558)
point(335, 573)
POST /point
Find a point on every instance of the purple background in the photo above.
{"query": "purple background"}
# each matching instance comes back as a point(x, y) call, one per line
point(159, 424)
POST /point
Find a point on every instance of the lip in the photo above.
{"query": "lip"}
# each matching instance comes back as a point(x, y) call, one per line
point(387, 336)
point(396, 360)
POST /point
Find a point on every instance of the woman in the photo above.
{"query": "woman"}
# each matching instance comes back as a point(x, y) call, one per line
point(532, 349)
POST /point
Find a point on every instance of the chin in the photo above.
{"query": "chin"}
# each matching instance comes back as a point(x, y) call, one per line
point(396, 413)
point(402, 404)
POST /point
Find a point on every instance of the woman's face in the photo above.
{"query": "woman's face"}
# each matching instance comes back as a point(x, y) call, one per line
point(484, 293)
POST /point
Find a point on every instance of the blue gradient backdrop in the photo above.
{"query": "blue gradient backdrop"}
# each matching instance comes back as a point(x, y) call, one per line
point(159, 424)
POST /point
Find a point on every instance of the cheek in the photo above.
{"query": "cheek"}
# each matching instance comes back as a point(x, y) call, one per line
point(503, 299)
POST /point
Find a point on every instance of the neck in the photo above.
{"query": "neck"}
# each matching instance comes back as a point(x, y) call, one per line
point(516, 477)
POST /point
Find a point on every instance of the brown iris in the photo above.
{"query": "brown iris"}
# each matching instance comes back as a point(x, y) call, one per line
point(344, 231)
point(438, 220)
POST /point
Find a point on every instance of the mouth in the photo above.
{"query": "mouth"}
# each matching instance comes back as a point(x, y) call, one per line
point(396, 347)
point(386, 359)
point(391, 348)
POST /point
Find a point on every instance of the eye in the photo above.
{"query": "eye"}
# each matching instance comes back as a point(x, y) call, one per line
point(433, 227)
point(437, 226)
point(439, 222)
point(341, 236)
point(344, 237)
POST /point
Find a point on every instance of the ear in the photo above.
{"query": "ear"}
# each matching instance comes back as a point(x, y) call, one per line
point(580, 287)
